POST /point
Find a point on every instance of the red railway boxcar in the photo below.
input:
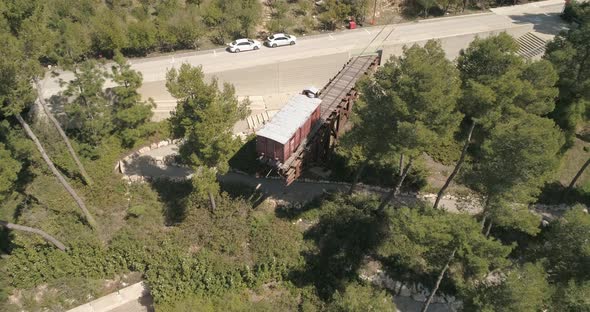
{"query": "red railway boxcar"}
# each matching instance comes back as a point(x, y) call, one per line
point(281, 136)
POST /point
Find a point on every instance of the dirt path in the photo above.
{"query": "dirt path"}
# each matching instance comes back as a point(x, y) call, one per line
point(149, 165)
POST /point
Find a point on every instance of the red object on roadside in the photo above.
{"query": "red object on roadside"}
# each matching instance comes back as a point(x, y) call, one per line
point(351, 25)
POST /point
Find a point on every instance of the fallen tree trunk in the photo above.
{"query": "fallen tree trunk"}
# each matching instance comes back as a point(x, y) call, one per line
point(572, 184)
point(47, 237)
point(357, 176)
point(63, 135)
point(212, 202)
point(441, 193)
point(56, 173)
point(393, 193)
point(438, 281)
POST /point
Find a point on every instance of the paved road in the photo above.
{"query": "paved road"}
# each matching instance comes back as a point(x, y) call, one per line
point(272, 73)
point(544, 16)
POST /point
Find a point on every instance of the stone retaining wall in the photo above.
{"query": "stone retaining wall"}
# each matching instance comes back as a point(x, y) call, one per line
point(159, 161)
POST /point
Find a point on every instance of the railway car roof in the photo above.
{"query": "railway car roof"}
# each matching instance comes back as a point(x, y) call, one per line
point(291, 117)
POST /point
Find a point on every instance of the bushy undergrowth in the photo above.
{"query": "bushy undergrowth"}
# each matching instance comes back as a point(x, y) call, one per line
point(269, 300)
point(229, 251)
point(205, 252)
point(208, 254)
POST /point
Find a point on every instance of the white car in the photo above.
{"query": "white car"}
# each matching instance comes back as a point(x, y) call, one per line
point(277, 40)
point(244, 45)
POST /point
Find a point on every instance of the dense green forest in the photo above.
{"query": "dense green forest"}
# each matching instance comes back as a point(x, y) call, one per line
point(70, 226)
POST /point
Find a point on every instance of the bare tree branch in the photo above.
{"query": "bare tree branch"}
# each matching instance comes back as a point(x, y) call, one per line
point(45, 236)
point(438, 281)
point(393, 193)
point(63, 135)
point(457, 166)
point(56, 173)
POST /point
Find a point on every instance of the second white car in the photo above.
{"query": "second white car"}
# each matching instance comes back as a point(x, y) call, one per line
point(278, 40)
point(244, 45)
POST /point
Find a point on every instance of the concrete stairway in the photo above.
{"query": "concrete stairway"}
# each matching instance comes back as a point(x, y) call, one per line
point(531, 46)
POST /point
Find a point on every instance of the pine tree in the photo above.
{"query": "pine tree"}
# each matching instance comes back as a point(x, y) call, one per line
point(408, 105)
point(130, 114)
point(17, 94)
point(497, 83)
point(517, 159)
point(88, 113)
point(569, 52)
point(204, 119)
point(421, 88)
point(439, 246)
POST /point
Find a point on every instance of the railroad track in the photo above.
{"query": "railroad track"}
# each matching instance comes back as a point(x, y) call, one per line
point(337, 99)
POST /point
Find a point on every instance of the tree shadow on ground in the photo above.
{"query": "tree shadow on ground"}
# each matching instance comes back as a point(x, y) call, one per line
point(174, 197)
point(147, 302)
point(555, 193)
point(237, 190)
point(7, 244)
point(291, 212)
point(346, 232)
point(545, 23)
point(245, 159)
point(378, 175)
point(525, 244)
point(57, 105)
point(6, 238)
point(147, 166)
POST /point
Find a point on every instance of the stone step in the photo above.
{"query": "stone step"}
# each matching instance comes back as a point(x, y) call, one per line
point(531, 46)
